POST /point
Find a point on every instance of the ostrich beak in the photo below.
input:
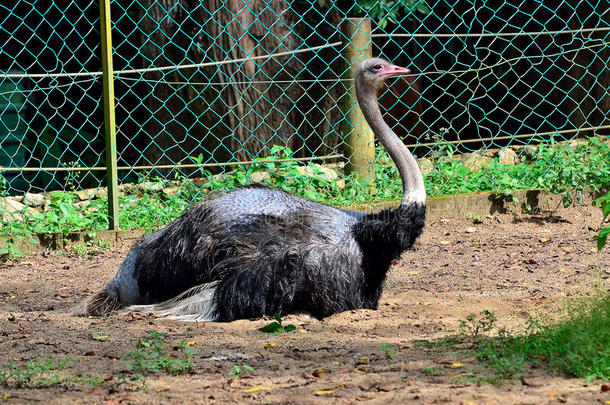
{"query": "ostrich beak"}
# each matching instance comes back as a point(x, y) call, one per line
point(393, 70)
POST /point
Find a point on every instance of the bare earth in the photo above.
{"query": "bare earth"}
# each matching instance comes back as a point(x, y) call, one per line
point(515, 267)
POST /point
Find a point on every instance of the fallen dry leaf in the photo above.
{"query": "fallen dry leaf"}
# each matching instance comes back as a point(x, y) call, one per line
point(99, 337)
point(316, 373)
point(324, 392)
point(256, 388)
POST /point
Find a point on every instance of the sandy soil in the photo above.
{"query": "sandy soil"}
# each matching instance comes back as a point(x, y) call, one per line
point(515, 267)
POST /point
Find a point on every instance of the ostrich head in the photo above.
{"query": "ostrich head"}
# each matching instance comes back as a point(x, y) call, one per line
point(370, 76)
point(372, 73)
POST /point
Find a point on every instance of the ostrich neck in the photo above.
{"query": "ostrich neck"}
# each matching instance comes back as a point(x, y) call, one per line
point(413, 190)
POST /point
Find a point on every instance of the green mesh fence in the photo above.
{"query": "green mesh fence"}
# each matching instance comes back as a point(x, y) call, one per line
point(221, 93)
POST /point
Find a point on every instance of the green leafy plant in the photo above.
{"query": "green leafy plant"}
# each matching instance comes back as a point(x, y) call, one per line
point(240, 371)
point(562, 168)
point(604, 203)
point(92, 246)
point(475, 324)
point(384, 11)
point(276, 327)
point(34, 373)
point(10, 245)
point(430, 371)
point(151, 355)
point(388, 351)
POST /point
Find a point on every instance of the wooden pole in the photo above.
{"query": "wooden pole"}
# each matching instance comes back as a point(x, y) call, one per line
point(359, 139)
point(109, 116)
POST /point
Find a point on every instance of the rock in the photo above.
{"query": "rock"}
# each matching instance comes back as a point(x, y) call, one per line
point(148, 186)
point(477, 161)
point(530, 152)
point(82, 204)
point(471, 229)
point(11, 209)
point(257, 177)
point(33, 200)
point(425, 165)
point(170, 191)
point(86, 194)
point(128, 188)
point(315, 171)
point(101, 193)
point(507, 157)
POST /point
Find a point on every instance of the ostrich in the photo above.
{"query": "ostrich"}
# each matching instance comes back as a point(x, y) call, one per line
point(257, 251)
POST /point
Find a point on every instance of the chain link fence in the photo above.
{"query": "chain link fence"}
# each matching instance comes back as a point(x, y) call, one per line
point(217, 94)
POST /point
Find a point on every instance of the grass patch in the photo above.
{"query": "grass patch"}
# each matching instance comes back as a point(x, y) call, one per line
point(35, 373)
point(151, 355)
point(555, 166)
point(577, 346)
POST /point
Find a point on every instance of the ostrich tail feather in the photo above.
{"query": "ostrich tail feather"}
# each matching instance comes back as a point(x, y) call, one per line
point(196, 304)
point(100, 304)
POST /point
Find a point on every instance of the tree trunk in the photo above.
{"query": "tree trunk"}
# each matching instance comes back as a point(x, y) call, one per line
point(232, 111)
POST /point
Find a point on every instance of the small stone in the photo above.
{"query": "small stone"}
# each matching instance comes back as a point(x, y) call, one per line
point(148, 186)
point(425, 166)
point(85, 194)
point(477, 161)
point(101, 193)
point(471, 229)
point(257, 177)
point(507, 157)
point(128, 188)
point(313, 171)
point(82, 204)
point(529, 152)
point(33, 200)
point(170, 191)
point(10, 204)
point(13, 210)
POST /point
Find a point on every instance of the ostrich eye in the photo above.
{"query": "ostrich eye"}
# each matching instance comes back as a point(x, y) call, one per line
point(377, 68)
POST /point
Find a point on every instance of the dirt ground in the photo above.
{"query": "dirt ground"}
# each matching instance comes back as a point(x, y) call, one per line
point(516, 267)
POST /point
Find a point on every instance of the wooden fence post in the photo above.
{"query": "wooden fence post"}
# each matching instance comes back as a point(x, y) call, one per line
point(359, 139)
point(109, 116)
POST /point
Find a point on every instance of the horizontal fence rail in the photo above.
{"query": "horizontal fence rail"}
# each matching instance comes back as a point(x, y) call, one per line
point(120, 115)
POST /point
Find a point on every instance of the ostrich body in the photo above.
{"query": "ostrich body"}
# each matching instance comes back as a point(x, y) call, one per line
point(257, 251)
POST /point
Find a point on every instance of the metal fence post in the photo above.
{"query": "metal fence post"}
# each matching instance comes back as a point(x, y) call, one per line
point(359, 140)
point(109, 116)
